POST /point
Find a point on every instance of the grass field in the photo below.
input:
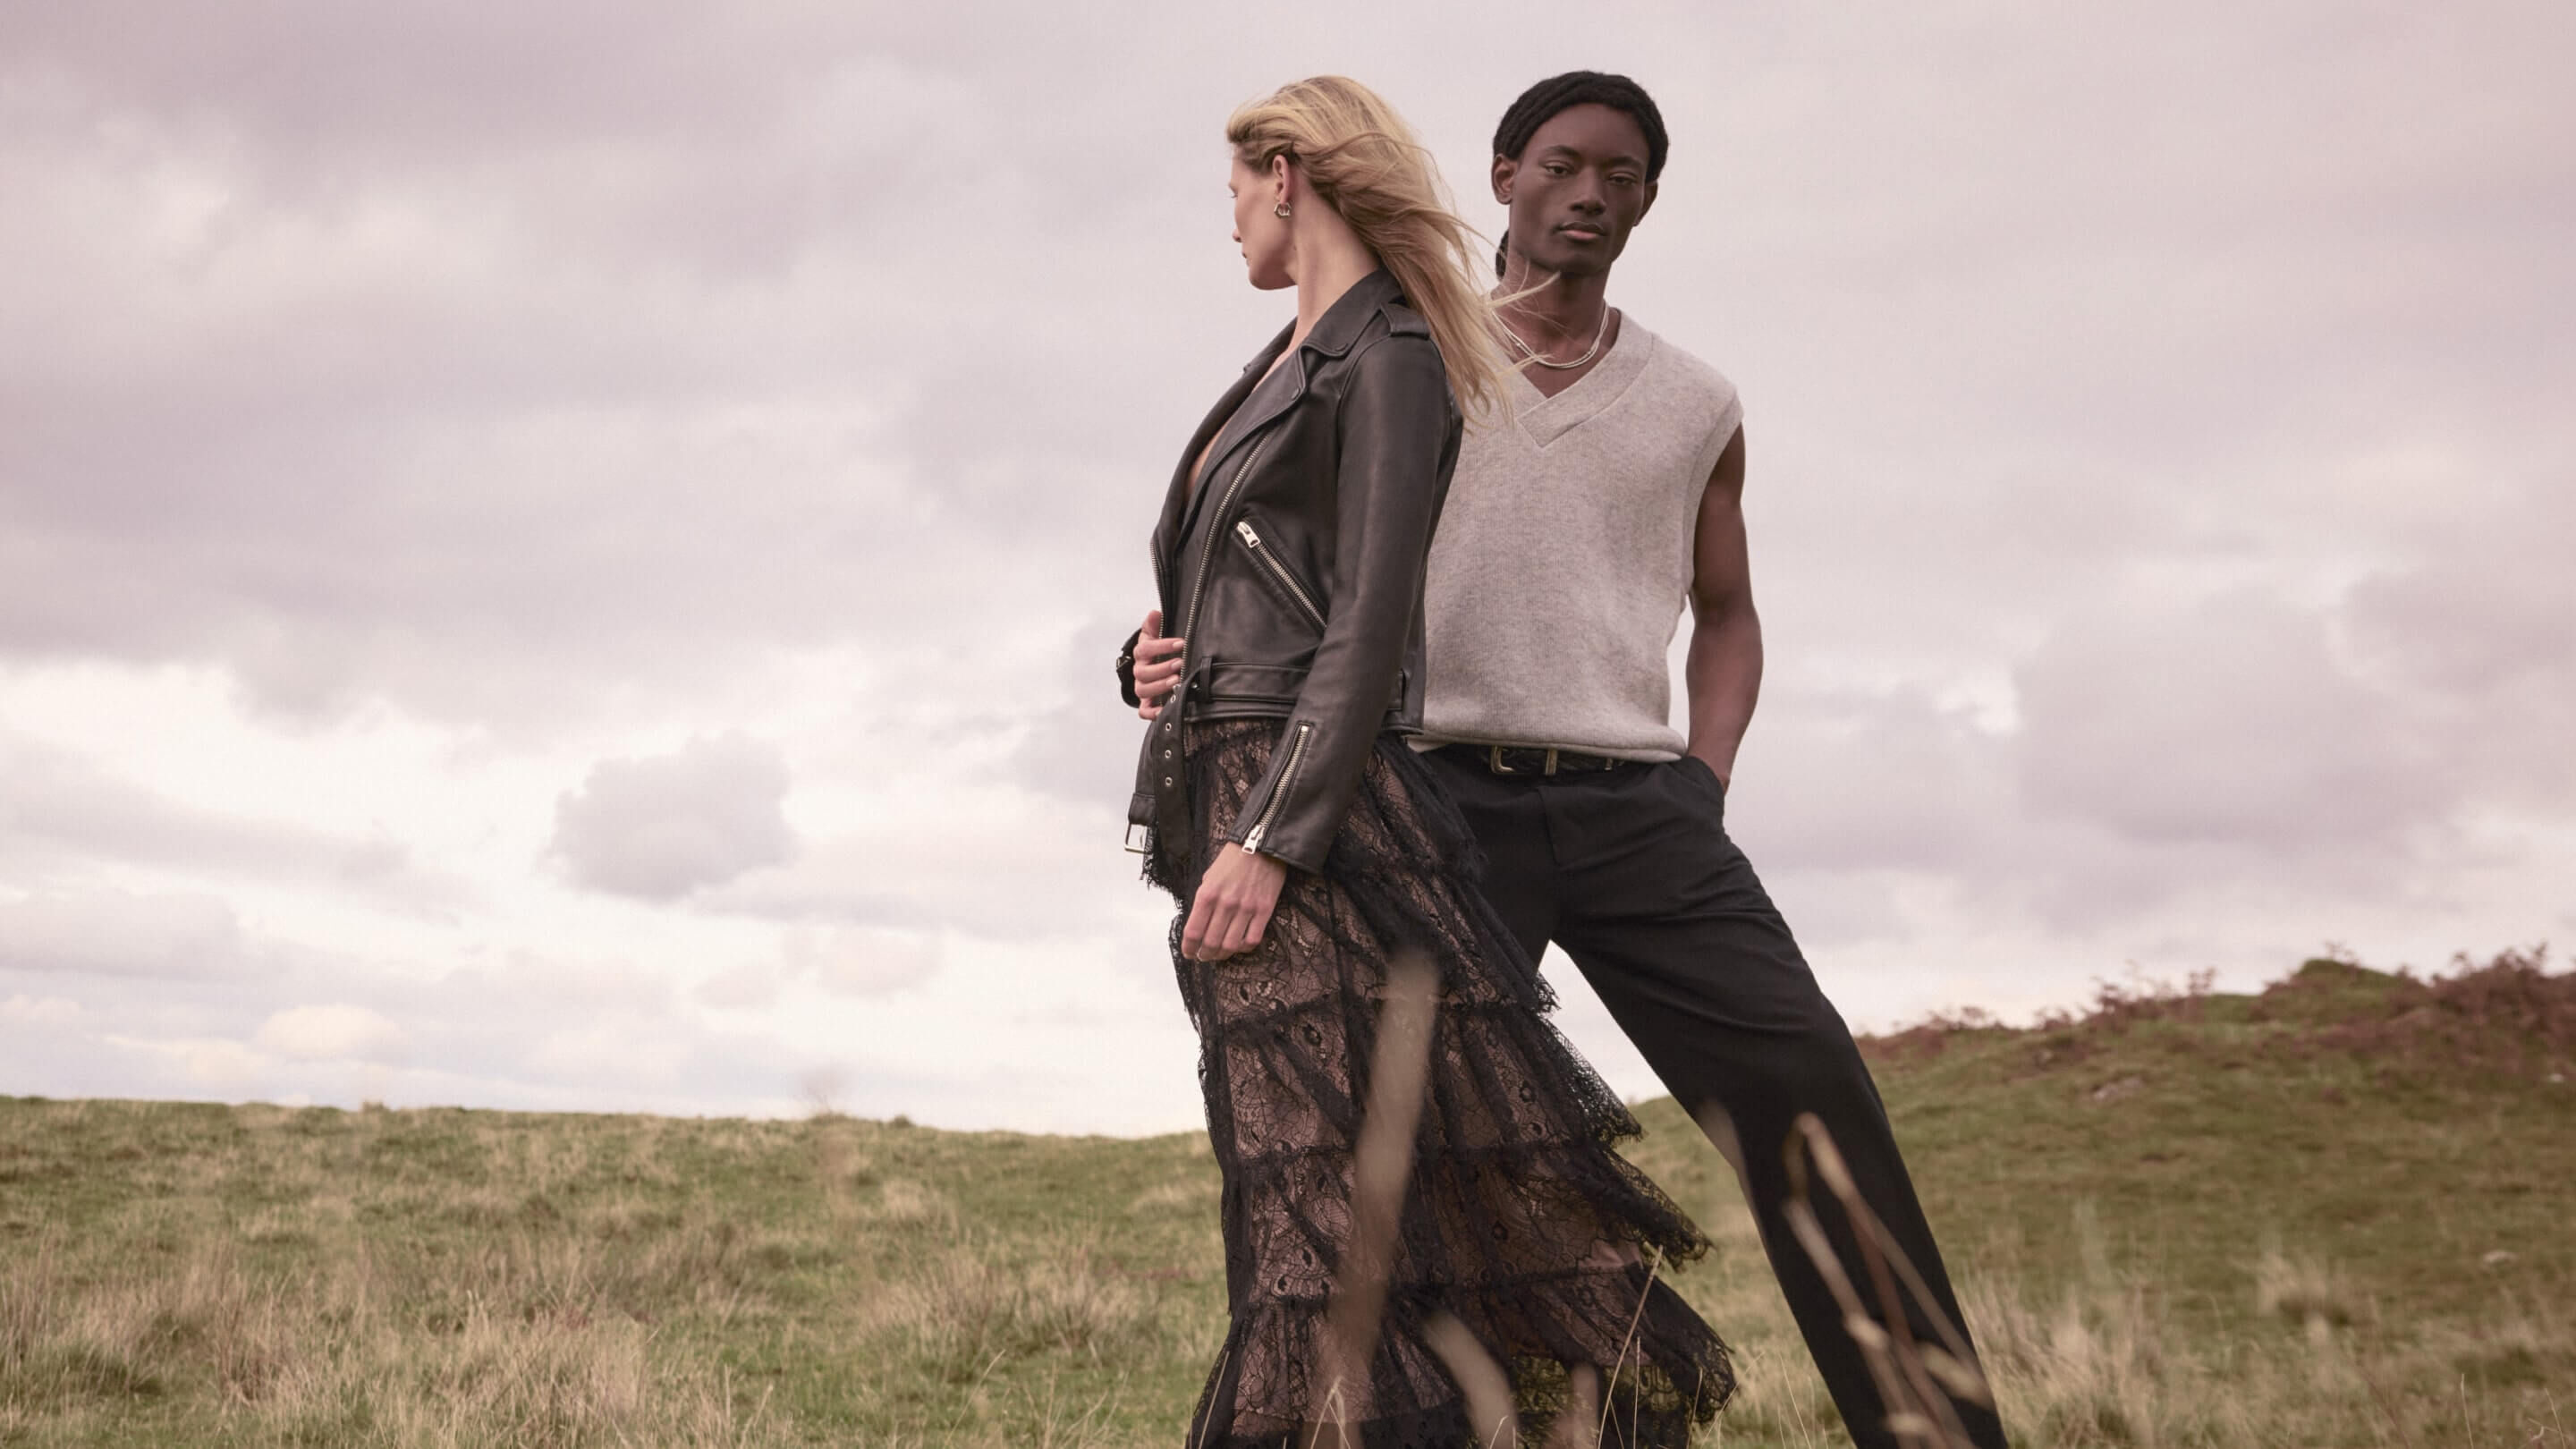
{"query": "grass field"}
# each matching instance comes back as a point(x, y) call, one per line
point(2336, 1213)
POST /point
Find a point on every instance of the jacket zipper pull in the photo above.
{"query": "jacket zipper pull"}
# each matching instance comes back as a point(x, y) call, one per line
point(1279, 790)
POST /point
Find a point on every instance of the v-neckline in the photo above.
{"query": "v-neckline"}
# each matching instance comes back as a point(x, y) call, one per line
point(1207, 455)
point(1547, 419)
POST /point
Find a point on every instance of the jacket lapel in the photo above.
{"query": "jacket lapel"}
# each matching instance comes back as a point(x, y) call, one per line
point(1274, 395)
point(1178, 496)
point(1255, 400)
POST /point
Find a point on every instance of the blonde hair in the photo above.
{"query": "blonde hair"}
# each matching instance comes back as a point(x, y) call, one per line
point(1363, 160)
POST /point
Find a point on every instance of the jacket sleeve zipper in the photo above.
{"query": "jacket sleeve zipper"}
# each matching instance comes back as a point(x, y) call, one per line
point(1279, 569)
point(1279, 792)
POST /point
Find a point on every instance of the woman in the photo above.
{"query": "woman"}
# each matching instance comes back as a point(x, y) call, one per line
point(1311, 853)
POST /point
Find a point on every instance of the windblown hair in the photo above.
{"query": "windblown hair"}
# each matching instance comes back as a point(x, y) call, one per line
point(1363, 160)
point(1580, 88)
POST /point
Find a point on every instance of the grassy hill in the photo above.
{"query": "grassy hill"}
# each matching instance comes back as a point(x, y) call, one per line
point(2334, 1213)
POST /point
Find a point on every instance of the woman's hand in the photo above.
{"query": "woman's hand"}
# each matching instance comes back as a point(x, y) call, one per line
point(1233, 905)
point(1158, 665)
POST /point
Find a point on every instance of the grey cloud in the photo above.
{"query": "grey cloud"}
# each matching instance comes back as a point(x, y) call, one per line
point(1080, 739)
point(1847, 780)
point(1832, 909)
point(1055, 871)
point(56, 804)
point(2475, 627)
point(107, 932)
point(565, 370)
point(495, 451)
point(845, 960)
point(527, 1031)
point(2230, 722)
point(659, 828)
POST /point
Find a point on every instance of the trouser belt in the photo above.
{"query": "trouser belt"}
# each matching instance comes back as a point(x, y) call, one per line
point(1529, 760)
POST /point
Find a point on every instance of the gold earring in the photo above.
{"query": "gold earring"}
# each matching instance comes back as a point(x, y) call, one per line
point(1280, 211)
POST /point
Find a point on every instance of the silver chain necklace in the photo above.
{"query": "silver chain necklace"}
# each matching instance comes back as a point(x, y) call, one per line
point(1544, 360)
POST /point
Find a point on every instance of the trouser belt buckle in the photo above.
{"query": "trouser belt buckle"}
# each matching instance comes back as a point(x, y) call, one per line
point(1494, 761)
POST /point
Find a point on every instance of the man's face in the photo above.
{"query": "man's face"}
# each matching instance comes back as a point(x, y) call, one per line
point(1576, 191)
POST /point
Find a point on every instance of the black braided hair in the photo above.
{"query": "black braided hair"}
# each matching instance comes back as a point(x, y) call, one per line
point(1579, 88)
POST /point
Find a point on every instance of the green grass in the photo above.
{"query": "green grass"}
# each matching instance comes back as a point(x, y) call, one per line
point(2337, 1213)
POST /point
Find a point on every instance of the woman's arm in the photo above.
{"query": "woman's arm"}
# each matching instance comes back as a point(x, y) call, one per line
point(1394, 433)
point(1395, 430)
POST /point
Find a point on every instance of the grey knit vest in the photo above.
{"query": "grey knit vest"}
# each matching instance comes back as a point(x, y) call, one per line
point(1563, 559)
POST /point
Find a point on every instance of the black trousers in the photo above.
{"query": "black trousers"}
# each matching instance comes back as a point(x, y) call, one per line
point(1630, 872)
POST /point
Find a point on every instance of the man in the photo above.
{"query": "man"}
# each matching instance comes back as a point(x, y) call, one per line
point(1572, 537)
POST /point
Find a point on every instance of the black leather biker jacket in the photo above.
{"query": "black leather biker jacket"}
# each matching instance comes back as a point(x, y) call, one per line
point(1294, 569)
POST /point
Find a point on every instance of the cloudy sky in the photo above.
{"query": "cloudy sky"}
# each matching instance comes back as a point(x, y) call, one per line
point(566, 555)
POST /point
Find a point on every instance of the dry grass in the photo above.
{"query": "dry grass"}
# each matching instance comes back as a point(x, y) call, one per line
point(2106, 1360)
point(963, 1308)
point(342, 1358)
point(2319, 1218)
point(178, 1275)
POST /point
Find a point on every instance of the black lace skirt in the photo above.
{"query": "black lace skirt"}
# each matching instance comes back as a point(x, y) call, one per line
point(1520, 1221)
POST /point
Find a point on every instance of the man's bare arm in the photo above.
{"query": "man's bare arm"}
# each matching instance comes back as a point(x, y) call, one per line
point(1723, 671)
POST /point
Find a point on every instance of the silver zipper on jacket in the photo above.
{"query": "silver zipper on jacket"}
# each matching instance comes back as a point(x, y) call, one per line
point(1207, 551)
point(1278, 567)
point(1279, 792)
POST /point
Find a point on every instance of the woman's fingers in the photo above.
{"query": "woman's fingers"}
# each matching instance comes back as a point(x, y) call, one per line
point(1215, 930)
point(1232, 907)
point(1225, 930)
point(1194, 934)
point(1156, 673)
point(1245, 932)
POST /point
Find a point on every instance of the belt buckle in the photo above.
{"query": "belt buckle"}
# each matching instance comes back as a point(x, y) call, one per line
point(1494, 761)
point(1132, 847)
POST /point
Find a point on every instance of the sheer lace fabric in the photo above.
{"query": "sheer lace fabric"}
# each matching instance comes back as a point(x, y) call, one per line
point(1520, 1220)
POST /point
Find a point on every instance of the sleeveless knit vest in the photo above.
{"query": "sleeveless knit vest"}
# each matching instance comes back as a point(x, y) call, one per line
point(1563, 558)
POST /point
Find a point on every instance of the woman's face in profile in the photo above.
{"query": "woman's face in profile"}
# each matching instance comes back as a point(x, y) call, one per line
point(1262, 234)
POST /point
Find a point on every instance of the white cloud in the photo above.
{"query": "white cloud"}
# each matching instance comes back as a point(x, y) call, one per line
point(202, 1063)
point(643, 1054)
point(860, 960)
point(661, 827)
point(331, 1033)
point(741, 986)
point(223, 1064)
point(39, 1011)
